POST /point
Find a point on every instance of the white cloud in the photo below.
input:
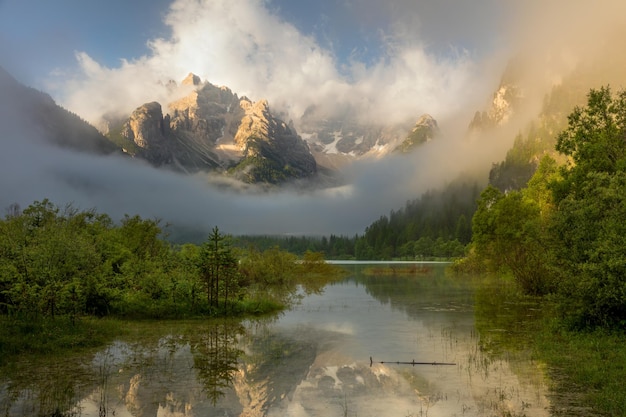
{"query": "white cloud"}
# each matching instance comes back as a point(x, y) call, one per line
point(254, 52)
point(243, 45)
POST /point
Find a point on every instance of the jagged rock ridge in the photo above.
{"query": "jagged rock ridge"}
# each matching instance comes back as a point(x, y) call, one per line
point(505, 101)
point(425, 130)
point(211, 128)
point(272, 151)
point(344, 135)
point(502, 107)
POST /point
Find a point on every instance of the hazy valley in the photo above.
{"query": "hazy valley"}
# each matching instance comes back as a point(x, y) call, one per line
point(298, 148)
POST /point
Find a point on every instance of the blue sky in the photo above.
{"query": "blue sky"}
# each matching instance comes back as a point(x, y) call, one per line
point(293, 53)
point(38, 36)
point(422, 53)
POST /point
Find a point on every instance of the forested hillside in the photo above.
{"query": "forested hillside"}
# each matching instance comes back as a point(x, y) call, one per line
point(435, 225)
point(24, 109)
point(564, 232)
point(438, 223)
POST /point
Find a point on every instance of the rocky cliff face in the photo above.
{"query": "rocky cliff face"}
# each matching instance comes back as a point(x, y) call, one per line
point(211, 128)
point(425, 130)
point(343, 135)
point(504, 102)
point(273, 152)
point(501, 109)
point(147, 129)
point(207, 114)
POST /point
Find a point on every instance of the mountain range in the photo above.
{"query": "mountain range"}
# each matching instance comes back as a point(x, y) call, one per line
point(160, 155)
point(210, 129)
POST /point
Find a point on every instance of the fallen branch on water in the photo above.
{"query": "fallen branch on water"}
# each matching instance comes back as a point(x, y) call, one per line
point(412, 363)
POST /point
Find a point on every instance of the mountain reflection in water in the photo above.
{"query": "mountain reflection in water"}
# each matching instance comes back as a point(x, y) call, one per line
point(313, 360)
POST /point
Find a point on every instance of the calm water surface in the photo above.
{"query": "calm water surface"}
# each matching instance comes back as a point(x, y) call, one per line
point(313, 360)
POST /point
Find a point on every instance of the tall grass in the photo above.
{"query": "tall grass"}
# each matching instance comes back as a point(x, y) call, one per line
point(49, 336)
point(588, 369)
point(52, 336)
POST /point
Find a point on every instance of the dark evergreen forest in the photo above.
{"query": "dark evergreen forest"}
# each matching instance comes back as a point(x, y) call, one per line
point(436, 225)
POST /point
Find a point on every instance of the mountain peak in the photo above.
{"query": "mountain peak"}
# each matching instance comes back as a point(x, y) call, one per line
point(426, 120)
point(192, 79)
point(425, 130)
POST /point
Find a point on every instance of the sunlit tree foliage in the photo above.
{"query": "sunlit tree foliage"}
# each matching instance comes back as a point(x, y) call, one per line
point(564, 232)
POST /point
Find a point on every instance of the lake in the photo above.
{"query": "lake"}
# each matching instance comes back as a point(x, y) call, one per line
point(334, 353)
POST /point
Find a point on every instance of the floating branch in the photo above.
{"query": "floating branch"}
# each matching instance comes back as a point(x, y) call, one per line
point(412, 363)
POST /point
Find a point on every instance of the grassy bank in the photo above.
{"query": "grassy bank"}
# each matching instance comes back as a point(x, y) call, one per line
point(45, 335)
point(50, 336)
point(410, 269)
point(144, 308)
point(53, 336)
point(587, 369)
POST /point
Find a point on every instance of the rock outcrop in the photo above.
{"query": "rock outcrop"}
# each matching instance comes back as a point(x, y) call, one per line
point(342, 134)
point(273, 152)
point(501, 109)
point(147, 129)
point(504, 102)
point(212, 129)
point(146, 126)
point(425, 130)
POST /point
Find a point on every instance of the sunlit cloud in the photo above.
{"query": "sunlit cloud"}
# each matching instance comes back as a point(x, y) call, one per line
point(246, 47)
point(250, 48)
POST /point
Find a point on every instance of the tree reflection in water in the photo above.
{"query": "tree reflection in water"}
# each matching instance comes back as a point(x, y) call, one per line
point(42, 389)
point(148, 374)
point(312, 360)
point(215, 356)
